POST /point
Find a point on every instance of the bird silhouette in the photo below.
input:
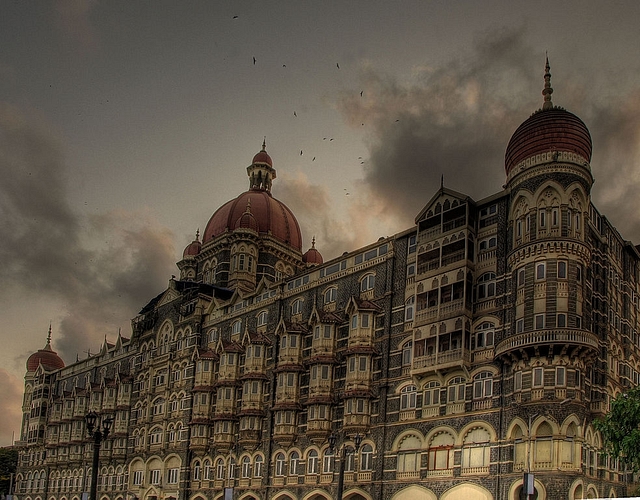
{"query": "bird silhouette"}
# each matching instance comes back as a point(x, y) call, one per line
point(301, 152)
point(254, 61)
point(235, 17)
point(361, 92)
point(338, 65)
point(313, 159)
point(295, 114)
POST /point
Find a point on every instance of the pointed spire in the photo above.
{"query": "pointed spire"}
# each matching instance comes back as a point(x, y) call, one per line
point(441, 181)
point(49, 336)
point(313, 242)
point(264, 143)
point(198, 234)
point(547, 91)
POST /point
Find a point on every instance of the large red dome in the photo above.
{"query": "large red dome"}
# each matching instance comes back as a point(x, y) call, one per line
point(548, 130)
point(269, 217)
point(46, 357)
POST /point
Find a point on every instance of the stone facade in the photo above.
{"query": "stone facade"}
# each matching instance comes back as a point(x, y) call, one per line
point(464, 351)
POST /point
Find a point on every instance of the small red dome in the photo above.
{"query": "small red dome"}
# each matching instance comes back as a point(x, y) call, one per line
point(312, 256)
point(271, 216)
point(192, 249)
point(262, 157)
point(46, 357)
point(546, 131)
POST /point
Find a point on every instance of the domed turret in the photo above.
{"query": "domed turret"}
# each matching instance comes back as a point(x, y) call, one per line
point(267, 215)
point(46, 357)
point(548, 130)
point(193, 248)
point(312, 256)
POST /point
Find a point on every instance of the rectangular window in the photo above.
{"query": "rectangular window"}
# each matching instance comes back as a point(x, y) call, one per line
point(538, 377)
point(521, 277)
point(363, 364)
point(539, 318)
point(354, 322)
point(327, 332)
point(578, 322)
point(560, 375)
point(561, 321)
point(517, 381)
point(520, 326)
point(540, 270)
point(543, 216)
point(137, 477)
point(562, 269)
point(554, 217)
point(155, 476)
point(172, 476)
point(365, 321)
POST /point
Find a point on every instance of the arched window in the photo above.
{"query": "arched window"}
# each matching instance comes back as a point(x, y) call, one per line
point(236, 328)
point(294, 460)
point(312, 462)
point(409, 308)
point(327, 461)
point(330, 295)
point(483, 385)
point(196, 470)
point(486, 286)
point(456, 390)
point(569, 451)
point(409, 456)
point(206, 465)
point(431, 395)
point(441, 452)
point(483, 337)
point(246, 467)
point(407, 353)
point(368, 283)
point(296, 307)
point(220, 468)
point(476, 450)
point(408, 397)
point(543, 457)
point(257, 469)
point(262, 318)
point(280, 464)
point(366, 457)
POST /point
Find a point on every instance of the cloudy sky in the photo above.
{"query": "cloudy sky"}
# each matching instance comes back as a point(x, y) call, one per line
point(124, 125)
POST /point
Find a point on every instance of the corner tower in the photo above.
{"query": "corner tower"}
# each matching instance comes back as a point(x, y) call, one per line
point(549, 181)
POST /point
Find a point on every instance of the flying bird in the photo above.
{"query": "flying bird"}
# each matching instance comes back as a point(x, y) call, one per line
point(295, 114)
point(331, 139)
point(235, 17)
point(254, 61)
point(338, 65)
point(361, 93)
point(313, 159)
point(301, 152)
point(284, 65)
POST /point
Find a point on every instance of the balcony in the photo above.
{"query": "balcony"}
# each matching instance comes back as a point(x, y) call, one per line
point(408, 475)
point(574, 339)
point(441, 361)
point(474, 471)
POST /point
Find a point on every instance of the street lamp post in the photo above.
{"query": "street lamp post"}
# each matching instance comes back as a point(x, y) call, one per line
point(344, 452)
point(98, 435)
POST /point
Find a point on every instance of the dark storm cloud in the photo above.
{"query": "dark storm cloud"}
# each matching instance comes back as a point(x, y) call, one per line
point(102, 270)
point(456, 120)
point(452, 121)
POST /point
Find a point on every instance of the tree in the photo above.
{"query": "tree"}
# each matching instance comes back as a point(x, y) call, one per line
point(8, 464)
point(620, 429)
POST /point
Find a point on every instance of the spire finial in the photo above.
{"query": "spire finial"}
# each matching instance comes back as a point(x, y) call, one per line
point(264, 143)
point(49, 336)
point(547, 91)
point(313, 242)
point(198, 234)
point(441, 181)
